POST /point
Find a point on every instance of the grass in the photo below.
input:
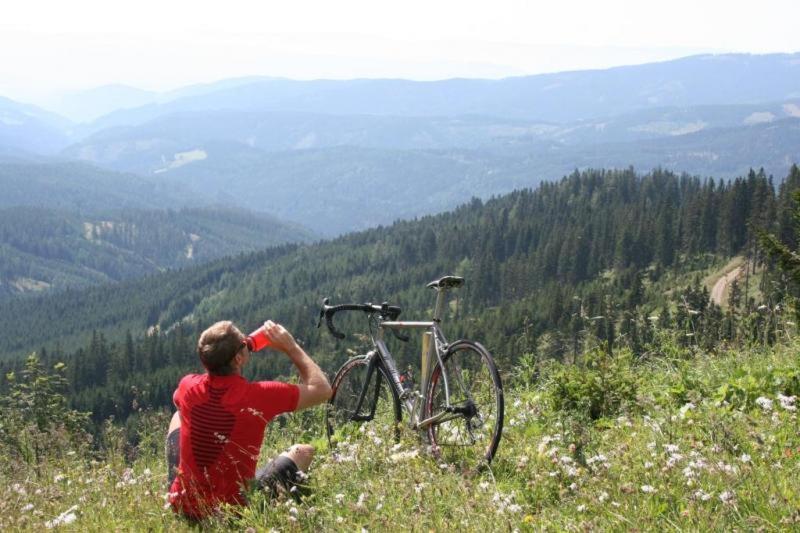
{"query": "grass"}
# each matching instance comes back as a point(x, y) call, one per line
point(680, 455)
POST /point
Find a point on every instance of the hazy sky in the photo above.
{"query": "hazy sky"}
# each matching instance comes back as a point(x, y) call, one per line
point(51, 45)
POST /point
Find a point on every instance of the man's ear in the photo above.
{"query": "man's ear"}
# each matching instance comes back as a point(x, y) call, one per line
point(238, 359)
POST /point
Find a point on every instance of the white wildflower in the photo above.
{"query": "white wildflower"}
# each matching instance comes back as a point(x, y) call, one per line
point(403, 456)
point(698, 464)
point(27, 507)
point(483, 485)
point(581, 508)
point(596, 458)
point(602, 497)
point(745, 458)
point(673, 459)
point(787, 402)
point(648, 489)
point(514, 508)
point(360, 502)
point(724, 467)
point(339, 520)
point(686, 408)
point(59, 478)
point(764, 403)
point(573, 486)
point(293, 511)
point(671, 448)
point(67, 517)
point(19, 489)
point(648, 465)
point(727, 497)
point(701, 495)
point(339, 498)
point(566, 460)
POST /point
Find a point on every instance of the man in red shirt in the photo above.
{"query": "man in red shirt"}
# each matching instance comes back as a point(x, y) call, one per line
point(215, 436)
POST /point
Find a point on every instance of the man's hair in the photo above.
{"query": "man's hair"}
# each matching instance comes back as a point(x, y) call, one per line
point(217, 347)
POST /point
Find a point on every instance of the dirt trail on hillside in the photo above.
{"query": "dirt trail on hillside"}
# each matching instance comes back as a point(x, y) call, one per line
point(718, 292)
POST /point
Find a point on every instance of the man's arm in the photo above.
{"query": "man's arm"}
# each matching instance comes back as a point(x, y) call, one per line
point(314, 388)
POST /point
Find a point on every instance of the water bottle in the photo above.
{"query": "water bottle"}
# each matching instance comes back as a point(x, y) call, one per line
point(407, 379)
point(257, 340)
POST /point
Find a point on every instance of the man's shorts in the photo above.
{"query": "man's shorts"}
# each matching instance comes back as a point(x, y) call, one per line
point(279, 475)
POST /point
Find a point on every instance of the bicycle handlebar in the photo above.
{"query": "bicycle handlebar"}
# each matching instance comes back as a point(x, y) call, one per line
point(384, 310)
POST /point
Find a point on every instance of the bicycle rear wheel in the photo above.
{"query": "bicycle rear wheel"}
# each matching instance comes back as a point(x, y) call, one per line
point(362, 394)
point(469, 429)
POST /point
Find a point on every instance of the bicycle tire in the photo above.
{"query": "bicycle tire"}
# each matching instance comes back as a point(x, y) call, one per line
point(468, 441)
point(341, 417)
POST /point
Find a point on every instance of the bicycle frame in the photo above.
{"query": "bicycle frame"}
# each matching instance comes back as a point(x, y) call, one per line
point(382, 355)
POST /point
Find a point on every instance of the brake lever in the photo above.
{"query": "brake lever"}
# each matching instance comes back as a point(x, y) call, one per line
point(322, 311)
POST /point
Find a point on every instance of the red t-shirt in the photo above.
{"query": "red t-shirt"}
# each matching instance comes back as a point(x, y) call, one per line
point(222, 428)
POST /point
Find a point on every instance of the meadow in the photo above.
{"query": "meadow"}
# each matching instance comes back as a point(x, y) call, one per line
point(678, 439)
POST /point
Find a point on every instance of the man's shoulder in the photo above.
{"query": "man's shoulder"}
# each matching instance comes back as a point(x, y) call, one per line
point(190, 380)
point(279, 395)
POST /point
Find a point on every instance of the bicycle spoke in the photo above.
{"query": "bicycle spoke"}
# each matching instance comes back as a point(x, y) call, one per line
point(360, 396)
point(468, 438)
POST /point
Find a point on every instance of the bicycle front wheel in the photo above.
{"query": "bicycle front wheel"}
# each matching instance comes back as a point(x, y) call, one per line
point(467, 429)
point(362, 394)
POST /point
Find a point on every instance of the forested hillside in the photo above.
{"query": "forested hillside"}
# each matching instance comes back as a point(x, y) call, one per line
point(44, 249)
point(597, 255)
point(323, 187)
point(79, 186)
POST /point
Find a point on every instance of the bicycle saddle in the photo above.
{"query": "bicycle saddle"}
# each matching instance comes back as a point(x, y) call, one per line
point(447, 282)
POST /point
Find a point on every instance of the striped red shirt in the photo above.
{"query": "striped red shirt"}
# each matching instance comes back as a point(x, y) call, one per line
point(222, 427)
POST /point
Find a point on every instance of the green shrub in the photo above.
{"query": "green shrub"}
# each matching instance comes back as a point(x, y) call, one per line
point(603, 385)
point(749, 383)
point(36, 423)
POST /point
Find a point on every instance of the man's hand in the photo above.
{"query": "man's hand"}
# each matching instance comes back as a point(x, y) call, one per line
point(279, 338)
point(314, 388)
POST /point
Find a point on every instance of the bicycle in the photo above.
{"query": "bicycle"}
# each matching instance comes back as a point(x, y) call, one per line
point(458, 406)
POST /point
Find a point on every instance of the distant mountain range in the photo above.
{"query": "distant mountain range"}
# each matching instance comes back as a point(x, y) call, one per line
point(337, 156)
point(30, 129)
point(559, 97)
point(324, 187)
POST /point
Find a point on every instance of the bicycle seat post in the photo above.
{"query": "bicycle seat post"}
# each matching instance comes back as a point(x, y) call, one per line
point(441, 300)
